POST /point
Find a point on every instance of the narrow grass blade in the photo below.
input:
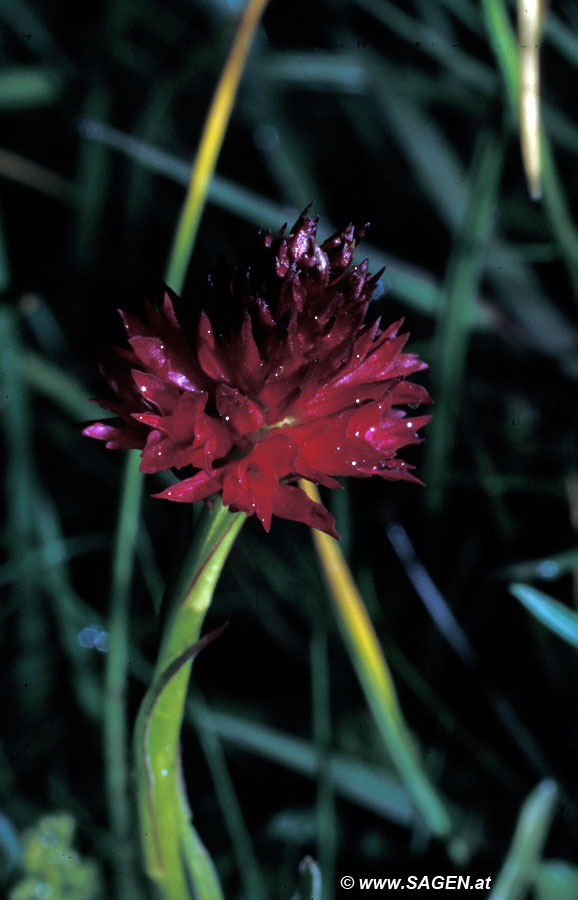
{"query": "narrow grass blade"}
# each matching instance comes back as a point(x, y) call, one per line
point(408, 282)
point(116, 737)
point(530, 16)
point(503, 42)
point(38, 178)
point(20, 478)
point(554, 615)
point(52, 381)
point(556, 880)
point(94, 172)
point(434, 163)
point(375, 679)
point(561, 220)
point(249, 871)
point(505, 48)
point(369, 786)
point(455, 315)
point(325, 805)
point(519, 869)
point(210, 145)
point(69, 611)
point(547, 568)
point(4, 263)
point(428, 592)
point(417, 33)
point(312, 886)
point(28, 86)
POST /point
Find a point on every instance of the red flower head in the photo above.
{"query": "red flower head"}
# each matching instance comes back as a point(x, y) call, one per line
point(278, 378)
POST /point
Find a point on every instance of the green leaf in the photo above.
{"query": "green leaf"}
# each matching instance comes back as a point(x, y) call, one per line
point(370, 786)
point(554, 615)
point(310, 885)
point(25, 87)
point(556, 879)
point(518, 870)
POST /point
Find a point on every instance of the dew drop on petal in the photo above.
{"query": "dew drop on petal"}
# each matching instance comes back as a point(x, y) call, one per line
point(409, 424)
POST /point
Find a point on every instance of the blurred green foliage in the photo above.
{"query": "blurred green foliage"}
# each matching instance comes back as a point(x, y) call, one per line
point(396, 112)
point(53, 870)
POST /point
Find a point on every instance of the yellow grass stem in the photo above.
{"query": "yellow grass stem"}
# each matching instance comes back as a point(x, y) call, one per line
point(375, 678)
point(210, 145)
point(530, 18)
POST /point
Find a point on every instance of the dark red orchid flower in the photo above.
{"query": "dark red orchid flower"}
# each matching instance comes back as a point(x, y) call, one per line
point(283, 378)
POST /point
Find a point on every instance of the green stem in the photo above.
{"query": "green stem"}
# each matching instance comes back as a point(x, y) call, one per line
point(175, 858)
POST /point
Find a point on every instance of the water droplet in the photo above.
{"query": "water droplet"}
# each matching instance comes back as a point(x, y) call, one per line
point(353, 462)
point(101, 643)
point(164, 772)
point(409, 424)
point(227, 418)
point(88, 636)
point(143, 388)
point(548, 568)
point(357, 434)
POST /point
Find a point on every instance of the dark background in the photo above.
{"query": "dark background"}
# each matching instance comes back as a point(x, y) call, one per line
point(375, 112)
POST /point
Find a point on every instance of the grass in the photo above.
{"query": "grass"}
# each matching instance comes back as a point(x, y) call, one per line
point(399, 113)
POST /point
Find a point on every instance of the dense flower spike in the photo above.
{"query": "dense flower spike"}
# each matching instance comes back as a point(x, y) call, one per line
point(279, 377)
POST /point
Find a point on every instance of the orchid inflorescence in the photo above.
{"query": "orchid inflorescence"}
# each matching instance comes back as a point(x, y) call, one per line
point(279, 376)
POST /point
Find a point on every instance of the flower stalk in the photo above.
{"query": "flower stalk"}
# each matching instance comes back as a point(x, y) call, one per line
point(175, 858)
